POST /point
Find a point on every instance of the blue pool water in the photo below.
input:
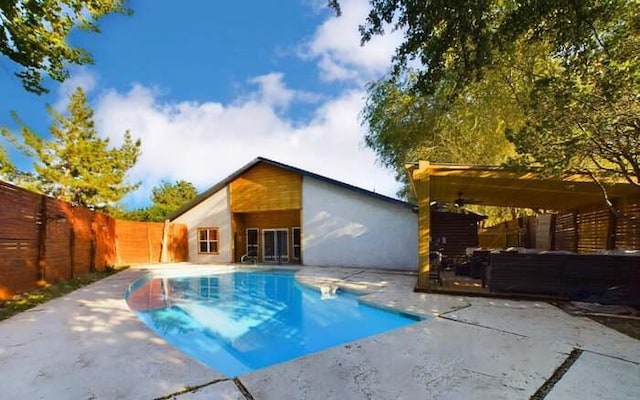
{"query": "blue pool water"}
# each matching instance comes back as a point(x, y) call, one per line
point(238, 322)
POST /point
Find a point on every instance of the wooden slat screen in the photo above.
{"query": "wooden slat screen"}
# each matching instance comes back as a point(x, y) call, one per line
point(593, 228)
point(138, 242)
point(628, 225)
point(43, 239)
point(19, 245)
point(104, 228)
point(565, 232)
point(513, 233)
point(58, 256)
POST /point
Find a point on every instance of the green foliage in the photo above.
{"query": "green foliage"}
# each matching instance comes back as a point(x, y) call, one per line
point(405, 125)
point(76, 165)
point(457, 39)
point(577, 109)
point(6, 166)
point(34, 33)
point(167, 198)
point(173, 196)
point(587, 118)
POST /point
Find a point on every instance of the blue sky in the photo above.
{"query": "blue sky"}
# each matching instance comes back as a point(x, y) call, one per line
point(208, 86)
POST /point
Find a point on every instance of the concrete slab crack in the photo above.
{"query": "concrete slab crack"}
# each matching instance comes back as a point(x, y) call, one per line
point(610, 356)
point(243, 389)
point(455, 309)
point(546, 387)
point(352, 275)
point(190, 389)
point(482, 326)
point(481, 373)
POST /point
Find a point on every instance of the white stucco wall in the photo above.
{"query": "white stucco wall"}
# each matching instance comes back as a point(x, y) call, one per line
point(211, 213)
point(341, 227)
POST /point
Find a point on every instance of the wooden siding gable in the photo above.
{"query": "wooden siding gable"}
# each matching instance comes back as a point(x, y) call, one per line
point(266, 188)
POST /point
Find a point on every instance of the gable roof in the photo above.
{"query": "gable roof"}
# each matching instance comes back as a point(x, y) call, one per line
point(215, 188)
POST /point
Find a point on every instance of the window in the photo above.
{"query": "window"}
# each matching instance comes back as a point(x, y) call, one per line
point(208, 240)
point(252, 242)
point(296, 243)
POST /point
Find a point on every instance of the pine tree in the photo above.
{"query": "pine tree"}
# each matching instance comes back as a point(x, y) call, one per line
point(166, 199)
point(77, 165)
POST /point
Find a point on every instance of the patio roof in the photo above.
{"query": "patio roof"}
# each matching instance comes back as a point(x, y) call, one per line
point(496, 186)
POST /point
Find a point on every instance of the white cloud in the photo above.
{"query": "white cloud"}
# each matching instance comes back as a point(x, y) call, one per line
point(273, 91)
point(336, 44)
point(204, 142)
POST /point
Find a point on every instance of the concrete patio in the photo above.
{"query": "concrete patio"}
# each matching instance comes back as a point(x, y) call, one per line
point(89, 345)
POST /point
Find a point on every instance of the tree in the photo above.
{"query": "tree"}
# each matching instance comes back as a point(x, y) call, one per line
point(582, 116)
point(587, 119)
point(167, 198)
point(77, 165)
point(6, 166)
point(34, 35)
point(405, 125)
point(459, 38)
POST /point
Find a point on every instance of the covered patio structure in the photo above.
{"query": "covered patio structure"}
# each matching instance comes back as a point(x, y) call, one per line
point(497, 186)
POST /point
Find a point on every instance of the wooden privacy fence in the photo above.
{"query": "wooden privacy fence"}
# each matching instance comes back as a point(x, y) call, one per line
point(588, 229)
point(44, 239)
point(593, 228)
point(514, 233)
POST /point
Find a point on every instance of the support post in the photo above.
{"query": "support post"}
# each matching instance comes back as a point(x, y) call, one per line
point(611, 226)
point(576, 236)
point(423, 193)
point(164, 251)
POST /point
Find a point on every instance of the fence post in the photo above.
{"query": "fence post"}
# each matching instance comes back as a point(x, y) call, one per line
point(92, 249)
point(164, 249)
point(42, 238)
point(72, 249)
point(149, 248)
point(116, 244)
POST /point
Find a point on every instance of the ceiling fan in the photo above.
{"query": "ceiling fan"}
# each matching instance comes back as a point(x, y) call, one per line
point(460, 202)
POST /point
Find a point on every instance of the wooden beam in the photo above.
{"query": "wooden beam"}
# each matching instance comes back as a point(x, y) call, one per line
point(424, 230)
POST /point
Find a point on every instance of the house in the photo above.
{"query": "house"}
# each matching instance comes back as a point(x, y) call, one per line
point(270, 212)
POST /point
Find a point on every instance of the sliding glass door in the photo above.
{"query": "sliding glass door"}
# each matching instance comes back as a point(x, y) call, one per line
point(275, 245)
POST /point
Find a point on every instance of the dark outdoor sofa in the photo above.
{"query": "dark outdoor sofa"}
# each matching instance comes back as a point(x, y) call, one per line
point(607, 279)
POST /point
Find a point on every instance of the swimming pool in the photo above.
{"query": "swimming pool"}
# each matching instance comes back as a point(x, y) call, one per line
point(241, 321)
